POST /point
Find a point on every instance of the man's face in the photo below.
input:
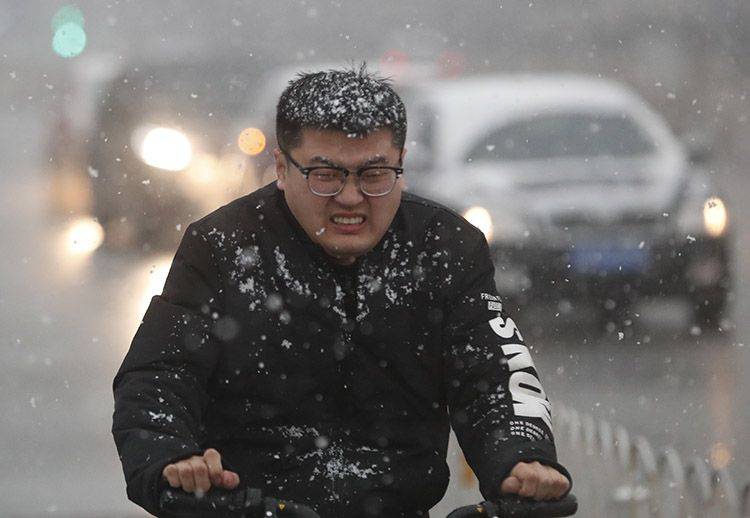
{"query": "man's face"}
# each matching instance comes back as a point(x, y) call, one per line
point(365, 218)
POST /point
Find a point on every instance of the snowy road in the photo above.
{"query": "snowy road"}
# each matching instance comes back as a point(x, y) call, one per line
point(67, 322)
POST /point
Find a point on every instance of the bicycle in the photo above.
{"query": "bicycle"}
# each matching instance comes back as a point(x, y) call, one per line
point(250, 503)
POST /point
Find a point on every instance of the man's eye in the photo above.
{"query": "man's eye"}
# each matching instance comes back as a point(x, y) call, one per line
point(375, 173)
point(325, 175)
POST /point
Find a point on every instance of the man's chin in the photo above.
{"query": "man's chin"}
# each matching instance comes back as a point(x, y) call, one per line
point(346, 254)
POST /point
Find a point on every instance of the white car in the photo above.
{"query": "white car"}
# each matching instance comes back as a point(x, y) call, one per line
point(581, 189)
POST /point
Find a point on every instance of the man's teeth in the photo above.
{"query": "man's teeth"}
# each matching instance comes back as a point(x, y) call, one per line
point(348, 221)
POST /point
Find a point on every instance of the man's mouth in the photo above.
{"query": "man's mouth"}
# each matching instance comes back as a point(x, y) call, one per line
point(342, 220)
point(347, 224)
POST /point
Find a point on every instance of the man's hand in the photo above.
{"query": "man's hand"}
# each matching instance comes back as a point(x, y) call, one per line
point(534, 480)
point(198, 473)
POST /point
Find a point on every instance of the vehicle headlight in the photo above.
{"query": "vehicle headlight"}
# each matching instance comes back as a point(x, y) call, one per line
point(714, 217)
point(480, 218)
point(163, 148)
point(704, 216)
point(83, 236)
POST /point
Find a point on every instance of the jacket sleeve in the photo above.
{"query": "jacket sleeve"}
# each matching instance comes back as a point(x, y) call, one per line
point(498, 408)
point(160, 389)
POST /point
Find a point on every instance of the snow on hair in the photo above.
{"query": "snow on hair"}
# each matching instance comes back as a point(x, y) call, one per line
point(353, 101)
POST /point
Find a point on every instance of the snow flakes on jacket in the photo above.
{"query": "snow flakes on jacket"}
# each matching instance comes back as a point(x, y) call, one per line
point(329, 385)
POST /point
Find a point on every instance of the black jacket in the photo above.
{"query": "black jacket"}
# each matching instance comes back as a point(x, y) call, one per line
point(330, 385)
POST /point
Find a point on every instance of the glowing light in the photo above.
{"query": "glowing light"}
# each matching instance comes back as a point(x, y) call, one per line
point(251, 141)
point(84, 236)
point(69, 40)
point(714, 217)
point(480, 218)
point(166, 148)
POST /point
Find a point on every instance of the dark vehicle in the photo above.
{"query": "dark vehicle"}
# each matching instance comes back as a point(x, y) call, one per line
point(582, 191)
point(167, 148)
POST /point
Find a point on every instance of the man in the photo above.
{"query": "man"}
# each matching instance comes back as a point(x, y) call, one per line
point(315, 337)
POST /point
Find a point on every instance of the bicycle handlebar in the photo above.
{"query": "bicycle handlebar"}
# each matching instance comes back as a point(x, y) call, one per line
point(250, 503)
point(239, 503)
point(518, 507)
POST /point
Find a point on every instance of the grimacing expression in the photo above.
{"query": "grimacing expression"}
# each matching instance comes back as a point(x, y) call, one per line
point(351, 223)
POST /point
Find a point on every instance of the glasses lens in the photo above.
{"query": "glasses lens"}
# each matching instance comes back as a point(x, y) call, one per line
point(377, 181)
point(325, 181)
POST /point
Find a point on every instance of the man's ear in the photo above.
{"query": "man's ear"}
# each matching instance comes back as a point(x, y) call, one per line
point(281, 168)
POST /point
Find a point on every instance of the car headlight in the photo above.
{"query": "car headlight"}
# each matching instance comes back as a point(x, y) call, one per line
point(83, 236)
point(714, 217)
point(703, 216)
point(480, 218)
point(504, 227)
point(163, 148)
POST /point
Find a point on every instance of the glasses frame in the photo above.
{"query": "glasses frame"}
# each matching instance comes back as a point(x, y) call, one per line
point(346, 172)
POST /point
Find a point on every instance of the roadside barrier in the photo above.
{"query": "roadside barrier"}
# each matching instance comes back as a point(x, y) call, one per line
point(619, 475)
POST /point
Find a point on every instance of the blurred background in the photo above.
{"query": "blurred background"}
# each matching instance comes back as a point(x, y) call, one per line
point(604, 151)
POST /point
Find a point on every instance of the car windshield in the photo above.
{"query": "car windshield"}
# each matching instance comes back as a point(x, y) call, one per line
point(563, 135)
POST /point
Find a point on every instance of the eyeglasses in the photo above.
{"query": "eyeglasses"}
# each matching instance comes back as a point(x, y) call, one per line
point(328, 180)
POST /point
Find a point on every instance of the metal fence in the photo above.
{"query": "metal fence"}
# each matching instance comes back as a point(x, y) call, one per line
point(617, 474)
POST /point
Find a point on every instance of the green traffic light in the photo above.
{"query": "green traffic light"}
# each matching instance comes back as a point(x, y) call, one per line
point(69, 40)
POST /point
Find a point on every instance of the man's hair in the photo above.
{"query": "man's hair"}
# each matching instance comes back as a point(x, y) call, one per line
point(353, 101)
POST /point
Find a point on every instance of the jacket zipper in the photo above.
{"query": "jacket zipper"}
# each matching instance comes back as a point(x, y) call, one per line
point(349, 285)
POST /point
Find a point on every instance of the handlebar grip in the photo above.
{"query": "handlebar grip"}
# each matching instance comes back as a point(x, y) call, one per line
point(518, 507)
point(182, 503)
point(245, 503)
point(524, 507)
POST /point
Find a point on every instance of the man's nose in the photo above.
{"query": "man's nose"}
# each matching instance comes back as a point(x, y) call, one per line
point(351, 194)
